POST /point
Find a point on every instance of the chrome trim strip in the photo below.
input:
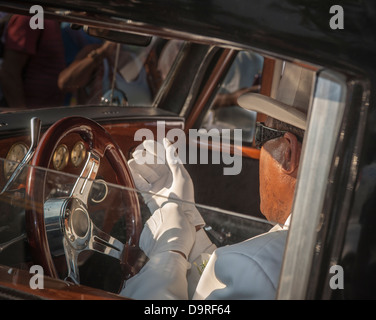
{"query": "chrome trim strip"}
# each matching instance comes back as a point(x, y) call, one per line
point(35, 126)
point(321, 137)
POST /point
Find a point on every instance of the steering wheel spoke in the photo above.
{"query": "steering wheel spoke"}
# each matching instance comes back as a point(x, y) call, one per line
point(71, 257)
point(105, 244)
point(81, 188)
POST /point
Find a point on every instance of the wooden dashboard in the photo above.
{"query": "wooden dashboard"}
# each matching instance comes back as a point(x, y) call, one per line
point(121, 123)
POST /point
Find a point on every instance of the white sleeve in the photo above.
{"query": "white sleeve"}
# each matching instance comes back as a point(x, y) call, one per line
point(165, 274)
point(164, 277)
point(202, 245)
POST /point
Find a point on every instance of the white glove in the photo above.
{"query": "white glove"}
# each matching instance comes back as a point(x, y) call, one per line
point(164, 182)
point(168, 229)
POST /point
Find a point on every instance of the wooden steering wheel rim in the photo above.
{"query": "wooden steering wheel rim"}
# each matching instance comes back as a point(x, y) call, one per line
point(102, 143)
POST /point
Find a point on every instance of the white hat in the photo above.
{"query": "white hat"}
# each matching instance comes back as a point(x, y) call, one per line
point(292, 98)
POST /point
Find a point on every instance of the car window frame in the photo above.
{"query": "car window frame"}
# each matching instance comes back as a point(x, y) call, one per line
point(315, 184)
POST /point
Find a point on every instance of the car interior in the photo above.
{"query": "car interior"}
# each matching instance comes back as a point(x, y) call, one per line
point(49, 158)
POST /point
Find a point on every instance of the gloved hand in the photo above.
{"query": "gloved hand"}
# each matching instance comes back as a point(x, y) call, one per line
point(167, 181)
point(168, 229)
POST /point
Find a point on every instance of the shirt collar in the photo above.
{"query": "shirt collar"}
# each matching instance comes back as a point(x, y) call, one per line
point(285, 226)
point(287, 223)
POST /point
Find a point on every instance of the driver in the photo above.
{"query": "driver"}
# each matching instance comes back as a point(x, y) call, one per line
point(183, 262)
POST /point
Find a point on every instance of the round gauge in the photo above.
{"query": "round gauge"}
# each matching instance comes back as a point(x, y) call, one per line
point(61, 156)
point(15, 154)
point(78, 153)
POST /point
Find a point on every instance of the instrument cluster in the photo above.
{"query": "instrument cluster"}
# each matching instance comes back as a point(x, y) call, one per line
point(60, 159)
point(61, 155)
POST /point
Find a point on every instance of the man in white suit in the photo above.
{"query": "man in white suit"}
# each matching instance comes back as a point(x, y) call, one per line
point(173, 237)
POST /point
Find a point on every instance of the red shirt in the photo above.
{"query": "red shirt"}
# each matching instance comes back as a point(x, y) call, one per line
point(46, 61)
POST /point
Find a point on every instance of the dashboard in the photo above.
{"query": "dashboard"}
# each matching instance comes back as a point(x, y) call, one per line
point(71, 152)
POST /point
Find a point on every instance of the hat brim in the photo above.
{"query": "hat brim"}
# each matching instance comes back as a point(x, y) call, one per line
point(273, 108)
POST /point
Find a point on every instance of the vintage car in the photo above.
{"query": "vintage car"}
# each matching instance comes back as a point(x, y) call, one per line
point(70, 212)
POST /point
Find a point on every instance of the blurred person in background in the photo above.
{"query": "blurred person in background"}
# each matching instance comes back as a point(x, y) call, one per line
point(32, 62)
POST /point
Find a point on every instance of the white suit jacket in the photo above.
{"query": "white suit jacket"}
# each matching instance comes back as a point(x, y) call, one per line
point(247, 270)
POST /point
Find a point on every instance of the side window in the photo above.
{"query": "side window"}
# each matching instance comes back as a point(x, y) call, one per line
point(243, 76)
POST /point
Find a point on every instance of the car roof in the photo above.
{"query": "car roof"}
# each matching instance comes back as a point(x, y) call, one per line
point(295, 29)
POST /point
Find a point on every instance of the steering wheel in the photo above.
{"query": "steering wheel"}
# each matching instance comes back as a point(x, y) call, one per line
point(69, 215)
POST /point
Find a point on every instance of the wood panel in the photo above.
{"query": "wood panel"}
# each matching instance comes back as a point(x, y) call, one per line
point(53, 288)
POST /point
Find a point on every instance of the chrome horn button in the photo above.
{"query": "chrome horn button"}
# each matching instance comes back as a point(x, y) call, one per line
point(80, 223)
point(76, 224)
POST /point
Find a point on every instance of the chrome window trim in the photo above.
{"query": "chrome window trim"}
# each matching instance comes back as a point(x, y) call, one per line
point(324, 122)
